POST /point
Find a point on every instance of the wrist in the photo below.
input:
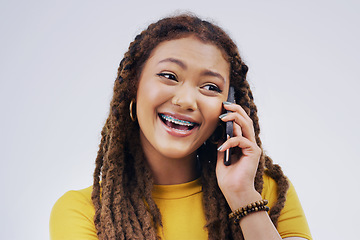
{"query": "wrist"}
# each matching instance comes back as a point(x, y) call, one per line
point(242, 199)
point(253, 207)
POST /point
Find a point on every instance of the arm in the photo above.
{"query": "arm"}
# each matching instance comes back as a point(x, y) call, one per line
point(237, 180)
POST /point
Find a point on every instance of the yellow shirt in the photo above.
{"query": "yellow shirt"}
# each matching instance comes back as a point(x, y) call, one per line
point(181, 208)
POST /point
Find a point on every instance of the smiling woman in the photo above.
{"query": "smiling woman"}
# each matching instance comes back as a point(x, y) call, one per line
point(159, 170)
point(183, 81)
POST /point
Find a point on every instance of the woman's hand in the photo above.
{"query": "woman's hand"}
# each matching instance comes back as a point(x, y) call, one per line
point(237, 180)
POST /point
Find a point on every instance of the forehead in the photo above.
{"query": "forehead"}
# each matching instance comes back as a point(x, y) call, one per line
point(193, 50)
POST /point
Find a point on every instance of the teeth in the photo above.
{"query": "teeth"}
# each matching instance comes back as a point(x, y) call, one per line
point(177, 121)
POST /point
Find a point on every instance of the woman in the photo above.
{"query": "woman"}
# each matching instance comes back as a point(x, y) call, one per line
point(160, 169)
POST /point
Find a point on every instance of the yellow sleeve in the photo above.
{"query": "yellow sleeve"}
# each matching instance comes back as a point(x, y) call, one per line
point(292, 221)
point(72, 217)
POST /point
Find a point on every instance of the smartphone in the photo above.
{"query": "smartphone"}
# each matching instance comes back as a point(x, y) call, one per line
point(229, 127)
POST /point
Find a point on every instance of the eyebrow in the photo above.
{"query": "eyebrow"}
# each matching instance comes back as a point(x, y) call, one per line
point(213, 74)
point(174, 60)
point(183, 66)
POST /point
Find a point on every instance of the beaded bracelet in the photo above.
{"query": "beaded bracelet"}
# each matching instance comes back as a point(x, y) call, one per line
point(252, 207)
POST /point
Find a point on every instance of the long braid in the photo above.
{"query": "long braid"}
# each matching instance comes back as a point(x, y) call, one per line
point(124, 207)
point(96, 185)
point(147, 206)
point(273, 170)
point(210, 190)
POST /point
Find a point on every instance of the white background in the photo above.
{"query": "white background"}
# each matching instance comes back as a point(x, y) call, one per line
point(59, 59)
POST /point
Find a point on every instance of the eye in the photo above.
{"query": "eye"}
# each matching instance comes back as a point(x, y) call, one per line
point(168, 76)
point(212, 87)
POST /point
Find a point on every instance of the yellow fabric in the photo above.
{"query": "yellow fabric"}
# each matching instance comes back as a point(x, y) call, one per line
point(292, 221)
point(72, 217)
point(181, 209)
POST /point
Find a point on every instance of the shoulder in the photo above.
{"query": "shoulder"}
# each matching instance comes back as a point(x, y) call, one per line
point(74, 201)
point(72, 216)
point(270, 191)
point(292, 221)
point(83, 195)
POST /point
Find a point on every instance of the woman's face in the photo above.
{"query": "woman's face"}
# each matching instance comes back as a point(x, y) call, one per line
point(180, 94)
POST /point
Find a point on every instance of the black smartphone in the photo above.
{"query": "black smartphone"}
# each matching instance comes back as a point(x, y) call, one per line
point(229, 127)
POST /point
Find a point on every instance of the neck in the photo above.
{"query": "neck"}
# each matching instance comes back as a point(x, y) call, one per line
point(170, 171)
point(173, 171)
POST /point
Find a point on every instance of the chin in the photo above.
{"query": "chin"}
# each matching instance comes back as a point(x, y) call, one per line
point(176, 153)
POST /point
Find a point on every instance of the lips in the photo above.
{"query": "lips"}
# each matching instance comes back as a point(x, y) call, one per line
point(178, 124)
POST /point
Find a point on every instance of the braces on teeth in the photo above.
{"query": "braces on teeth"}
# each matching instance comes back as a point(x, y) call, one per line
point(177, 121)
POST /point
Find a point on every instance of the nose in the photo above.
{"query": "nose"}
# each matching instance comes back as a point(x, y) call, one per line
point(185, 98)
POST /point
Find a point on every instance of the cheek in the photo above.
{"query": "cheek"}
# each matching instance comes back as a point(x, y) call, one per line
point(212, 111)
point(150, 96)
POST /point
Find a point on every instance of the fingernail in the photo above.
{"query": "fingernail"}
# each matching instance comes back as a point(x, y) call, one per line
point(223, 115)
point(219, 148)
point(227, 103)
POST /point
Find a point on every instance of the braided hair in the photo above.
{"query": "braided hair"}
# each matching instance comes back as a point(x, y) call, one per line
point(123, 182)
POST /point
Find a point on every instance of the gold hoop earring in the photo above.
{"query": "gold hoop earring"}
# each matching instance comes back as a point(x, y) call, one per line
point(131, 111)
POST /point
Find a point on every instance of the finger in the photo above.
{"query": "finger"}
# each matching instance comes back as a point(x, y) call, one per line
point(233, 107)
point(241, 142)
point(246, 124)
point(237, 130)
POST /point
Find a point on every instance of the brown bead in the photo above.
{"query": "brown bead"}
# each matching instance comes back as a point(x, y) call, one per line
point(251, 207)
